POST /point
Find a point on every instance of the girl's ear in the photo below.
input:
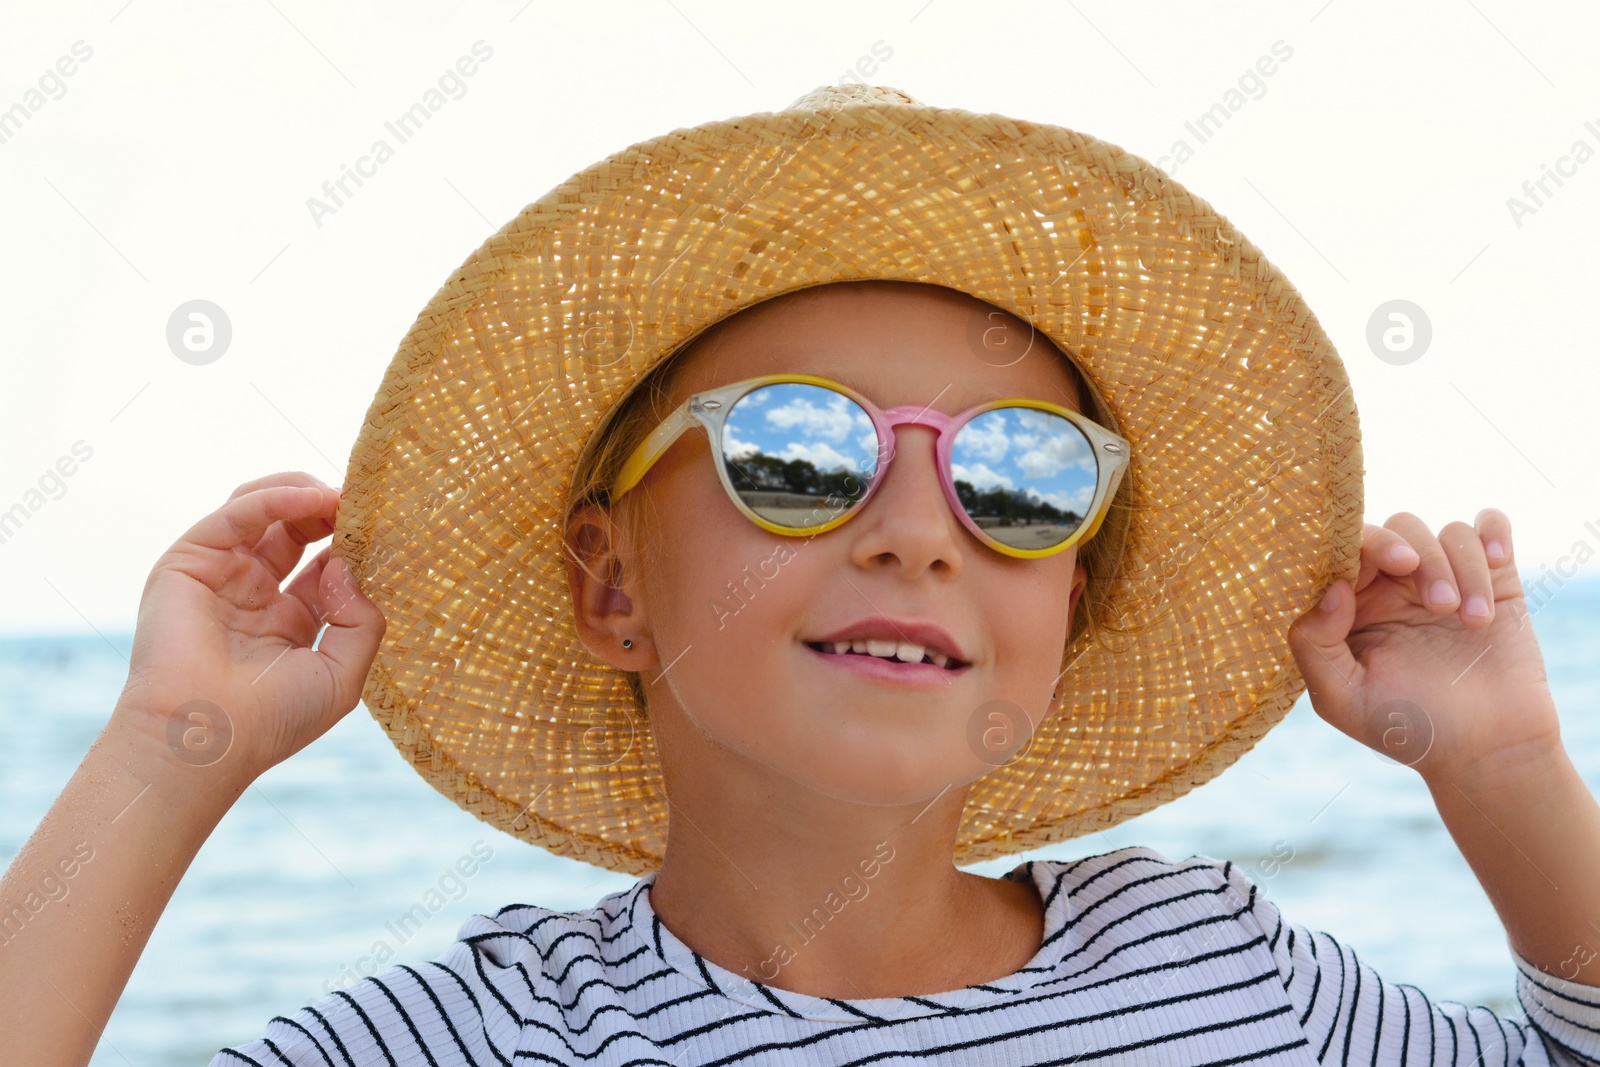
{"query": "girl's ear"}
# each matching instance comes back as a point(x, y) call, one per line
point(1080, 580)
point(597, 575)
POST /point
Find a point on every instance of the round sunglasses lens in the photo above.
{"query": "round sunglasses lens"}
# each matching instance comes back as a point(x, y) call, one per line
point(1025, 476)
point(799, 455)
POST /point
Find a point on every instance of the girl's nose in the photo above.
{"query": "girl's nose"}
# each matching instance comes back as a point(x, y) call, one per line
point(908, 515)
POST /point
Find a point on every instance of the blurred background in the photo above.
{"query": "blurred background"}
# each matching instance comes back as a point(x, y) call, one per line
point(1426, 175)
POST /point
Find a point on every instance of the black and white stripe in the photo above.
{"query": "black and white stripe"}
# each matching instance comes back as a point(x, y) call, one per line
point(1144, 960)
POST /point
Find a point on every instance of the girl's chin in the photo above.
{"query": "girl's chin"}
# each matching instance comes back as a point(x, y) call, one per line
point(872, 764)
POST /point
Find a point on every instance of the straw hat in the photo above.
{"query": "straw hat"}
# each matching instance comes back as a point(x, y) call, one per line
point(1244, 497)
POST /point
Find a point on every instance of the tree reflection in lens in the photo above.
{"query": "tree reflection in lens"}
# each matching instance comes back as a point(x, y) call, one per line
point(797, 454)
point(1024, 475)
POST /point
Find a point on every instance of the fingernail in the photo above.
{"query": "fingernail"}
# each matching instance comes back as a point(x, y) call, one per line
point(1440, 592)
point(1330, 599)
point(1477, 605)
point(1496, 551)
point(1401, 553)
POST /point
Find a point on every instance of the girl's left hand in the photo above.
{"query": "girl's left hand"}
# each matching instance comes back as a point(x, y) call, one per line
point(1423, 681)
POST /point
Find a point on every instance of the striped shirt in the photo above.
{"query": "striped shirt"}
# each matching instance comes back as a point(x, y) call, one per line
point(1144, 960)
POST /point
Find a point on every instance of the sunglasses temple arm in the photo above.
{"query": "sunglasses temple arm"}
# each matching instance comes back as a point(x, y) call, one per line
point(1105, 506)
point(651, 449)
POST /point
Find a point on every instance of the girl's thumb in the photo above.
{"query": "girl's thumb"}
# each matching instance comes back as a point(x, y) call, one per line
point(355, 627)
point(1317, 640)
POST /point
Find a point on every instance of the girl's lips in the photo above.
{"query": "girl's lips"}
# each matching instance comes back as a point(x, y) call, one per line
point(921, 675)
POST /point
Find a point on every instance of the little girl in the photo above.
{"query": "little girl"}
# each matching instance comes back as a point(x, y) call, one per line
point(821, 511)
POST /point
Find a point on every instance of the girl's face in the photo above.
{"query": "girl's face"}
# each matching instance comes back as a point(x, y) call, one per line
point(723, 614)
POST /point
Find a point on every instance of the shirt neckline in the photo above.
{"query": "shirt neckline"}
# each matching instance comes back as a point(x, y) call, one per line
point(750, 993)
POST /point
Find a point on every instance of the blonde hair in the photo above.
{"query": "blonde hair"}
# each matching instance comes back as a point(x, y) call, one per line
point(650, 401)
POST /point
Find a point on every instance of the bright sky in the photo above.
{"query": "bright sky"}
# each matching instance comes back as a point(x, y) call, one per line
point(1374, 163)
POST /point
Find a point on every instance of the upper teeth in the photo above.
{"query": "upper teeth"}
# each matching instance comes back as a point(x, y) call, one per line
point(904, 651)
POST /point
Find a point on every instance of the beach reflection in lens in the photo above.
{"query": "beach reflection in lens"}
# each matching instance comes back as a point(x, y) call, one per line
point(1025, 476)
point(797, 454)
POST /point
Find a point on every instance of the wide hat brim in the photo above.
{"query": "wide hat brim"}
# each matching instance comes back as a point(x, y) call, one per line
point(1245, 484)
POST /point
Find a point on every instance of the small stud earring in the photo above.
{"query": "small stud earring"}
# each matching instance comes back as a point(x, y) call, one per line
point(627, 642)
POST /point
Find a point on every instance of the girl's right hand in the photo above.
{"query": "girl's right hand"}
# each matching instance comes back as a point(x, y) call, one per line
point(222, 671)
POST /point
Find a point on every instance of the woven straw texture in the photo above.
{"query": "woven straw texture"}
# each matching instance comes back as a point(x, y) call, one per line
point(1246, 470)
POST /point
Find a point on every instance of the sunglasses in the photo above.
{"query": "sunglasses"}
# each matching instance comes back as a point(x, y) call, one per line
point(802, 454)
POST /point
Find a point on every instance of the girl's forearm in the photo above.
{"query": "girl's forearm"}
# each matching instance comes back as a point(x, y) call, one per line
point(78, 903)
point(1532, 836)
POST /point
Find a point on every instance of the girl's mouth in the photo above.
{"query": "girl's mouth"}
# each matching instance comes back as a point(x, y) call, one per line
point(926, 672)
point(885, 651)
